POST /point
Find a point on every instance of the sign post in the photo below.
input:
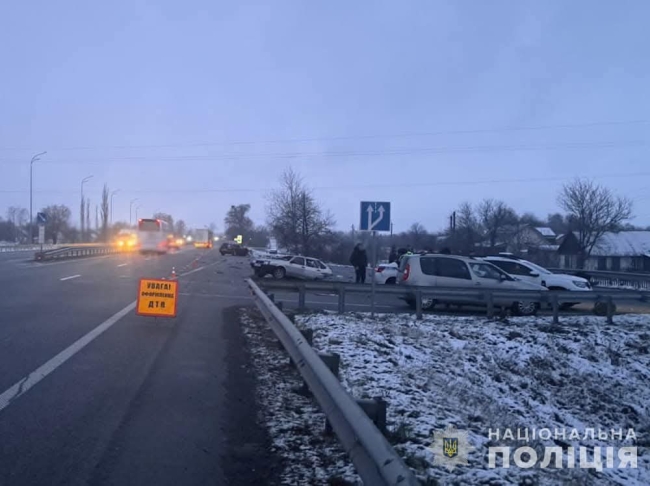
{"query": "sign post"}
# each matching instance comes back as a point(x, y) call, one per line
point(375, 216)
point(42, 219)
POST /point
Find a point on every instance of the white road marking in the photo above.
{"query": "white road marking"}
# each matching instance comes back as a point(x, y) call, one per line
point(216, 296)
point(122, 264)
point(22, 386)
point(196, 270)
point(70, 277)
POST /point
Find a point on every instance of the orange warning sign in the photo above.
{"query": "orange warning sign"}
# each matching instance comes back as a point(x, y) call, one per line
point(157, 297)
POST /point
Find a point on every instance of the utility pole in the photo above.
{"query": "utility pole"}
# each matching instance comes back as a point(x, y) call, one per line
point(131, 209)
point(84, 217)
point(113, 194)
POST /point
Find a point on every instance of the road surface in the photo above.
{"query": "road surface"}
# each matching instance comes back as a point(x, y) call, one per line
point(91, 393)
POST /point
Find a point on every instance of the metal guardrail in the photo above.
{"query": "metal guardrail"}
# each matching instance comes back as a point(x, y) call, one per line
point(601, 278)
point(77, 252)
point(603, 298)
point(373, 457)
point(12, 248)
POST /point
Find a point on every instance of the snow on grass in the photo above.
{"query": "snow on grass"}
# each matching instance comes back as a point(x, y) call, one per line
point(478, 375)
point(295, 424)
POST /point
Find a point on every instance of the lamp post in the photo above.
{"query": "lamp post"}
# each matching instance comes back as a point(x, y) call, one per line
point(131, 209)
point(31, 216)
point(136, 211)
point(113, 194)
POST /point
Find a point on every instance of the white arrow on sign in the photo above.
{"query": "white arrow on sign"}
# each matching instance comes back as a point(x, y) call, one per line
point(370, 210)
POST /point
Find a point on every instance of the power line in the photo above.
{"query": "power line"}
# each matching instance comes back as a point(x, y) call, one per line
point(354, 137)
point(376, 153)
point(353, 186)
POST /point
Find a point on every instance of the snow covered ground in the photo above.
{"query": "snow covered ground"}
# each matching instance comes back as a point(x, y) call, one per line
point(477, 375)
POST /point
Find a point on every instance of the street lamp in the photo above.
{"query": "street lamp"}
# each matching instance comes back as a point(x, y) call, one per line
point(131, 208)
point(112, 194)
point(31, 217)
point(136, 211)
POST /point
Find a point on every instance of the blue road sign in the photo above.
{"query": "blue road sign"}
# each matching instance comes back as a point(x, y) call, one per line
point(375, 216)
point(41, 218)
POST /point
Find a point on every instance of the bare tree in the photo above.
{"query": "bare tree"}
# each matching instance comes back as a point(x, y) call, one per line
point(82, 219)
point(87, 219)
point(180, 228)
point(495, 216)
point(416, 234)
point(58, 217)
point(167, 218)
point(294, 216)
point(105, 212)
point(468, 229)
point(237, 221)
point(594, 211)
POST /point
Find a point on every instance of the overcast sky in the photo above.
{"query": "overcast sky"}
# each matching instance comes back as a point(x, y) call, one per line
point(193, 106)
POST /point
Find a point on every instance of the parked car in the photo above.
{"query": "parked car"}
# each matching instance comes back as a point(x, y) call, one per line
point(228, 248)
point(386, 273)
point(530, 272)
point(291, 266)
point(451, 271)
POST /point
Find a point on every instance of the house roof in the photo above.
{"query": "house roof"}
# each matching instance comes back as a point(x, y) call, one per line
point(546, 231)
point(624, 243)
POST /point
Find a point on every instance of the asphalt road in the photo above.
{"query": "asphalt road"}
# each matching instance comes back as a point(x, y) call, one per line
point(91, 393)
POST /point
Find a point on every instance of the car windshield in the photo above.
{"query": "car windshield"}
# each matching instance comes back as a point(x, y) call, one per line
point(538, 269)
point(487, 270)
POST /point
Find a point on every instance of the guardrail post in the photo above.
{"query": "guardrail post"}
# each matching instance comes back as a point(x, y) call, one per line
point(341, 300)
point(490, 305)
point(610, 310)
point(332, 361)
point(556, 308)
point(375, 409)
point(271, 297)
point(418, 304)
point(301, 297)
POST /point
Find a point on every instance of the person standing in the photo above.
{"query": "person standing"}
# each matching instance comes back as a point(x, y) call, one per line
point(359, 260)
point(392, 257)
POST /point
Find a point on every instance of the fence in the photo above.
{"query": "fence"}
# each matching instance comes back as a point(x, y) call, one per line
point(374, 459)
point(604, 299)
point(598, 278)
point(11, 248)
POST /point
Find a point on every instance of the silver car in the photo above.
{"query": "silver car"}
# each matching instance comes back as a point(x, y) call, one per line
point(453, 271)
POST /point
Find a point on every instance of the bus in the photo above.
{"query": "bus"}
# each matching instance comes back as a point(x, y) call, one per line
point(203, 238)
point(152, 235)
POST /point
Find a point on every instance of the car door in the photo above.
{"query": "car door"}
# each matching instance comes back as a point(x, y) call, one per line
point(296, 267)
point(518, 270)
point(311, 270)
point(451, 272)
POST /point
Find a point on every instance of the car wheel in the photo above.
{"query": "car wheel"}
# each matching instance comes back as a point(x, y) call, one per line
point(525, 308)
point(391, 281)
point(279, 273)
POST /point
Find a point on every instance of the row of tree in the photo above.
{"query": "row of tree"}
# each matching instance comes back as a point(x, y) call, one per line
point(301, 225)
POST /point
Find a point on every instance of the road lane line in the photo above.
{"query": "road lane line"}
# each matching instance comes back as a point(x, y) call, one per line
point(22, 386)
point(196, 270)
point(122, 264)
point(70, 277)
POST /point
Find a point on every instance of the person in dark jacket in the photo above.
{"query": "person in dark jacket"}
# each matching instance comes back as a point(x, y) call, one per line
point(359, 260)
point(392, 257)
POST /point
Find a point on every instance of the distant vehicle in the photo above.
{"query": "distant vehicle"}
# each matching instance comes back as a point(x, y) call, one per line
point(203, 238)
point(152, 235)
point(228, 248)
point(530, 272)
point(175, 242)
point(291, 266)
point(126, 240)
point(386, 274)
point(451, 271)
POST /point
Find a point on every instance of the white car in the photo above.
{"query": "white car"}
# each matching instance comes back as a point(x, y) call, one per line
point(530, 272)
point(386, 274)
point(304, 268)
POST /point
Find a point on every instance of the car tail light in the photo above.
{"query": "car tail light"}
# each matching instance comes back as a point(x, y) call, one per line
point(379, 269)
point(407, 271)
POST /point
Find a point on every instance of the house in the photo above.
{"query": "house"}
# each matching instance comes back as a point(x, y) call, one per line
point(622, 251)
